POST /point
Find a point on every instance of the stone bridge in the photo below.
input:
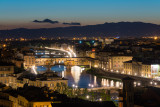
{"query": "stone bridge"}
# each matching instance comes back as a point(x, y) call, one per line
point(78, 61)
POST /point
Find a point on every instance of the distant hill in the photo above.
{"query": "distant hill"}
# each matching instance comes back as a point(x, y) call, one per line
point(122, 29)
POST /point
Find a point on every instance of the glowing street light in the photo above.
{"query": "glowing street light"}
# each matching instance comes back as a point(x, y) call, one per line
point(91, 85)
point(100, 99)
point(135, 74)
point(34, 70)
point(139, 84)
point(74, 86)
point(87, 96)
point(155, 83)
point(122, 72)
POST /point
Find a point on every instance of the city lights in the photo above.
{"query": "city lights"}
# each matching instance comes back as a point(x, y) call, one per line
point(87, 96)
point(34, 70)
point(86, 53)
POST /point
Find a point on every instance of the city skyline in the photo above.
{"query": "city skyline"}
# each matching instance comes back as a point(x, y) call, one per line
point(91, 53)
point(21, 14)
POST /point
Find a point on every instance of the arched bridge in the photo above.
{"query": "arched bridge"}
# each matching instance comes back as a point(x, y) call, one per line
point(62, 61)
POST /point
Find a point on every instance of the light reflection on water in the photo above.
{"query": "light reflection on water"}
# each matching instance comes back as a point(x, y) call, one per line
point(78, 77)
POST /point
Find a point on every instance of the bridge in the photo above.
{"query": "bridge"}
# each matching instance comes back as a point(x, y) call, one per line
point(77, 61)
point(54, 56)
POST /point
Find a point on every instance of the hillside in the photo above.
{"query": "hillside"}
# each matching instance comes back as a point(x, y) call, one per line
point(122, 29)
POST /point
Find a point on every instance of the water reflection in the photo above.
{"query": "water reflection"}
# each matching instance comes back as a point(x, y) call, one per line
point(76, 73)
point(77, 76)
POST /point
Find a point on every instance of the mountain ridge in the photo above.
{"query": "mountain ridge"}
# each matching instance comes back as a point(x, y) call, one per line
point(122, 29)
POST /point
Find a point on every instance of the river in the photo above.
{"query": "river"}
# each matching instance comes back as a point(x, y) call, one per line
point(77, 77)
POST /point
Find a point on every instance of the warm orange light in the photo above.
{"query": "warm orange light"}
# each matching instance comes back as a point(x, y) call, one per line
point(4, 45)
point(155, 38)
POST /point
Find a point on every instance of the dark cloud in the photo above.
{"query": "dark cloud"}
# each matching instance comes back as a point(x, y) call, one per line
point(45, 21)
point(72, 23)
point(53, 22)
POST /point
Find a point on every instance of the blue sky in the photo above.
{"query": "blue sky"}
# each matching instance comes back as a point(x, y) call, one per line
point(83, 11)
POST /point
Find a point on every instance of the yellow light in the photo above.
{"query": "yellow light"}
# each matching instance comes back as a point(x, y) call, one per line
point(155, 38)
point(4, 45)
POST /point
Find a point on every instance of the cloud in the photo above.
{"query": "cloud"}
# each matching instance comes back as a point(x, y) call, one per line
point(72, 23)
point(45, 21)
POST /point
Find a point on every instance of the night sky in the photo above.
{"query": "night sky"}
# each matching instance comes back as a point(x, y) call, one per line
point(22, 13)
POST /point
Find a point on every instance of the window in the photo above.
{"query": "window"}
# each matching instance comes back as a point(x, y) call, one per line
point(51, 85)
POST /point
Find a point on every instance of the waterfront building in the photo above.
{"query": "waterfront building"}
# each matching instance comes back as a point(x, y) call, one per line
point(110, 62)
point(142, 68)
point(116, 62)
point(29, 61)
point(51, 82)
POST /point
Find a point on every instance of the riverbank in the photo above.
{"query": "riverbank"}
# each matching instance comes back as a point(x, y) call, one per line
point(96, 72)
point(107, 74)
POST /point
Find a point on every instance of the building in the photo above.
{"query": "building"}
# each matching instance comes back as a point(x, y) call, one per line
point(50, 82)
point(113, 63)
point(142, 68)
point(29, 61)
point(6, 69)
point(116, 62)
point(21, 98)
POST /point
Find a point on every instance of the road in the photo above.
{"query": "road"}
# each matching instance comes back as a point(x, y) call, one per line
point(144, 81)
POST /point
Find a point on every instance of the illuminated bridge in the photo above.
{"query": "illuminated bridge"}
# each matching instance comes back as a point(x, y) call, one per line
point(54, 56)
point(62, 61)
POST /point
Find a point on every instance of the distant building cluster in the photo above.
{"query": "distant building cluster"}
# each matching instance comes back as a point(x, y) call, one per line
point(138, 57)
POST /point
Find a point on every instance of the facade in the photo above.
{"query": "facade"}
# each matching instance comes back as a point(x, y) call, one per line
point(29, 61)
point(15, 83)
point(6, 70)
point(139, 68)
point(8, 100)
point(116, 62)
point(127, 67)
point(113, 63)
point(51, 83)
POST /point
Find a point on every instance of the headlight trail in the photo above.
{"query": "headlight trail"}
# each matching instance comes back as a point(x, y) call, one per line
point(34, 70)
point(74, 54)
point(70, 52)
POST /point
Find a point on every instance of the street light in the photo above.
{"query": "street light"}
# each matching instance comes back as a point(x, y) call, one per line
point(117, 71)
point(74, 86)
point(87, 96)
point(91, 85)
point(139, 84)
point(100, 99)
point(155, 83)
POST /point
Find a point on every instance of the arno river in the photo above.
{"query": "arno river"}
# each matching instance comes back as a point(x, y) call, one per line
point(77, 77)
